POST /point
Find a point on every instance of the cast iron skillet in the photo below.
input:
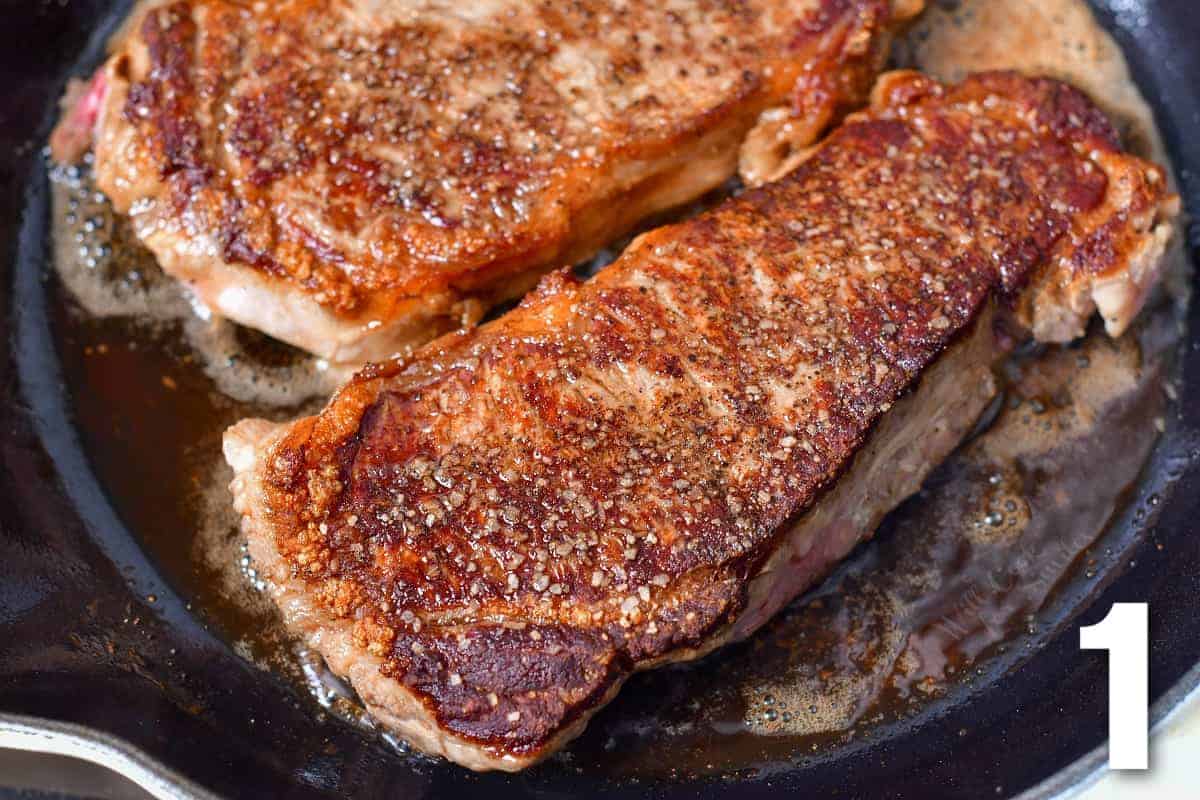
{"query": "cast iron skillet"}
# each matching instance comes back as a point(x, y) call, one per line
point(174, 705)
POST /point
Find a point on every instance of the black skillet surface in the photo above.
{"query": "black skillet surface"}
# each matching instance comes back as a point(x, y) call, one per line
point(81, 644)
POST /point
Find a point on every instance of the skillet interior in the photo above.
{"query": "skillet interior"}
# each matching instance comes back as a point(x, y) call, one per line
point(83, 644)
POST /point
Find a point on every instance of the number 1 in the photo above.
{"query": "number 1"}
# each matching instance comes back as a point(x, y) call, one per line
point(1124, 633)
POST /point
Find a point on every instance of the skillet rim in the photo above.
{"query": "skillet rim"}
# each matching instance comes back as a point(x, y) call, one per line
point(1069, 778)
point(112, 752)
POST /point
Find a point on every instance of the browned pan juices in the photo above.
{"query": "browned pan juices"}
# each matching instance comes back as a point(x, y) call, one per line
point(956, 576)
point(150, 415)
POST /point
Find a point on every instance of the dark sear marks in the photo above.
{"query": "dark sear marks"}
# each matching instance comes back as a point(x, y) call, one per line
point(356, 178)
point(519, 515)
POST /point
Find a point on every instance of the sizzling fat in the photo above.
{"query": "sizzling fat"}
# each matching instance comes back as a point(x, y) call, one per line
point(497, 531)
point(355, 178)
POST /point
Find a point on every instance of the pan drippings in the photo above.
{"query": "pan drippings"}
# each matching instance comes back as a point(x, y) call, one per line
point(956, 583)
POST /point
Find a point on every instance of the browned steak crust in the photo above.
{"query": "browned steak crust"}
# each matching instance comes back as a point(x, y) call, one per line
point(390, 169)
point(518, 516)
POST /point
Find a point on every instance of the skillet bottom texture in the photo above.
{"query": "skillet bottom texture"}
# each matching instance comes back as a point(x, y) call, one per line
point(94, 635)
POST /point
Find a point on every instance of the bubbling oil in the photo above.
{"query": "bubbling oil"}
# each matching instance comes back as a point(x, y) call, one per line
point(955, 577)
point(111, 276)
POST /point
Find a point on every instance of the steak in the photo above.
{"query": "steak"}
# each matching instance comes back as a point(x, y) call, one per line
point(356, 177)
point(487, 538)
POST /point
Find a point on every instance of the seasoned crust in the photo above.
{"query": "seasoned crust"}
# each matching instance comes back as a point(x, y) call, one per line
point(610, 465)
point(355, 177)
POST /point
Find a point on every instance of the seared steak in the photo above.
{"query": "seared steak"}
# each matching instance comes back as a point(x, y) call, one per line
point(357, 177)
point(489, 537)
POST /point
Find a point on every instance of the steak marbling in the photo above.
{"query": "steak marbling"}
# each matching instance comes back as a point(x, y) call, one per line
point(357, 177)
point(489, 537)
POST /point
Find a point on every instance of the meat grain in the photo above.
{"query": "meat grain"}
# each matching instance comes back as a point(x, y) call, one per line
point(355, 177)
point(490, 536)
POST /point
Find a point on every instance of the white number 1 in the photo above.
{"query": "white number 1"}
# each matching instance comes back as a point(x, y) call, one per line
point(1124, 634)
